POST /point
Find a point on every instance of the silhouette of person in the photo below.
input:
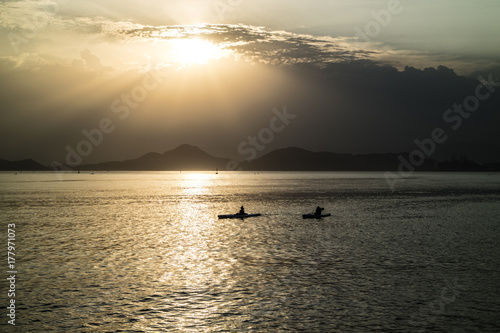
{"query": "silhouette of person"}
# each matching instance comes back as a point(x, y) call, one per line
point(242, 211)
point(318, 210)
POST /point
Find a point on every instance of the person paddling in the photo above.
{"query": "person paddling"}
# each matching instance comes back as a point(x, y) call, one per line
point(242, 211)
point(318, 210)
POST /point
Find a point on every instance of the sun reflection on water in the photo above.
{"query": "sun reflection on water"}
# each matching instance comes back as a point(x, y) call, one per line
point(193, 266)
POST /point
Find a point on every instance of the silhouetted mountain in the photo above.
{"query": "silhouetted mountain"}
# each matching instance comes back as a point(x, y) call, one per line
point(190, 158)
point(24, 165)
point(297, 159)
point(184, 157)
point(479, 152)
point(463, 164)
point(493, 167)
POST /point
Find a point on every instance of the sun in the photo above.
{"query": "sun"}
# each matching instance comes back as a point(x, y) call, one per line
point(195, 51)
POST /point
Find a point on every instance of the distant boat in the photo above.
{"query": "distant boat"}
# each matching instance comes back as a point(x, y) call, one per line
point(315, 216)
point(237, 216)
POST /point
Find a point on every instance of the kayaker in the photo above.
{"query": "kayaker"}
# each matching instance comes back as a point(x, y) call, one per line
point(318, 210)
point(242, 211)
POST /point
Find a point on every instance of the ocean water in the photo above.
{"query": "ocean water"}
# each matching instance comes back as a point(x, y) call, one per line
point(145, 252)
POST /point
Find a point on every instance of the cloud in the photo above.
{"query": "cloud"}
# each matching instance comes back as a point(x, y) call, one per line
point(92, 60)
point(31, 61)
point(57, 30)
point(115, 40)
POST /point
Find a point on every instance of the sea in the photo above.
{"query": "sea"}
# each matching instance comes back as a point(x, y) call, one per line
point(146, 252)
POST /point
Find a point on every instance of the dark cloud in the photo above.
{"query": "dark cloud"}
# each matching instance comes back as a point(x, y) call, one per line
point(260, 44)
point(354, 107)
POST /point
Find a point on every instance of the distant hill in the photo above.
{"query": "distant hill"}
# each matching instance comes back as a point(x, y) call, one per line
point(24, 165)
point(184, 157)
point(479, 152)
point(297, 159)
point(190, 158)
point(494, 167)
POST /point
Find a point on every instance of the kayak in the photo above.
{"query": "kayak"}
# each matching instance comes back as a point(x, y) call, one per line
point(237, 216)
point(314, 216)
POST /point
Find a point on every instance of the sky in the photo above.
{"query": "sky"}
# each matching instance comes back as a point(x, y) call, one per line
point(112, 80)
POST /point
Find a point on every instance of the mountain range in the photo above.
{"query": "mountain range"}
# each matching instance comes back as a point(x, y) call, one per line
point(184, 157)
point(191, 158)
point(24, 165)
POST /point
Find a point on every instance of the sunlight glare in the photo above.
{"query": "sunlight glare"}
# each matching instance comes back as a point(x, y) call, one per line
point(196, 51)
point(197, 183)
